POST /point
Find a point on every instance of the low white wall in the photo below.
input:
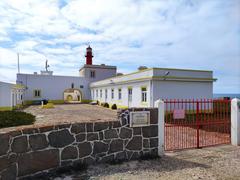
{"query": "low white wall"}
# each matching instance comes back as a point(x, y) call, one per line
point(235, 122)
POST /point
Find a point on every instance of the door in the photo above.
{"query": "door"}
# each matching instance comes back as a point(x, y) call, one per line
point(129, 97)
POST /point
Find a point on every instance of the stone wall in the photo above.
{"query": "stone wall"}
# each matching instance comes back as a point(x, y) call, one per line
point(43, 150)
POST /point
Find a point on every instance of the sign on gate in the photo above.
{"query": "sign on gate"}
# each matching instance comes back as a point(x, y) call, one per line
point(178, 113)
point(139, 118)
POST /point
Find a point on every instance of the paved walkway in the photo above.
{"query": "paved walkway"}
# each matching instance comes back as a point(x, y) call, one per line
point(71, 113)
point(215, 163)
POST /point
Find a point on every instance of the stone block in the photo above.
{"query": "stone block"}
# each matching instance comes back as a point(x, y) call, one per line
point(100, 135)
point(121, 156)
point(153, 142)
point(63, 126)
point(99, 126)
point(30, 130)
point(69, 152)
point(60, 138)
point(15, 133)
point(92, 136)
point(78, 128)
point(30, 163)
point(4, 139)
point(108, 158)
point(146, 143)
point(137, 131)
point(10, 173)
point(110, 134)
point(125, 133)
point(89, 127)
point(99, 147)
point(38, 141)
point(135, 143)
point(46, 128)
point(84, 149)
point(150, 131)
point(20, 144)
point(116, 124)
point(81, 137)
point(116, 145)
point(89, 160)
point(154, 116)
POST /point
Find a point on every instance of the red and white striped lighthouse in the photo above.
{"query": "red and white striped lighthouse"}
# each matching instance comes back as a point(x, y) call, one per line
point(89, 55)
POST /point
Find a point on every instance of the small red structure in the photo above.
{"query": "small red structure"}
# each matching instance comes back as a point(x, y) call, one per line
point(89, 55)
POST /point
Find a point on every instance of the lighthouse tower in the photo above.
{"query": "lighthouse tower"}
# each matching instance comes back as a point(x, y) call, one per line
point(96, 72)
point(89, 55)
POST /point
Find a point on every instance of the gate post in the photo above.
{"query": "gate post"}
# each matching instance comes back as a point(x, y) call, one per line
point(160, 105)
point(235, 122)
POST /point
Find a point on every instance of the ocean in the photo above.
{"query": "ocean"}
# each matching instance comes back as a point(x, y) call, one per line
point(226, 95)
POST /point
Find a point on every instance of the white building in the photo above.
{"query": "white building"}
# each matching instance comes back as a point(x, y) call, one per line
point(144, 87)
point(11, 95)
point(100, 82)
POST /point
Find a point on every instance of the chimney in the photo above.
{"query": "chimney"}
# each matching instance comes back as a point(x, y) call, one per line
point(89, 55)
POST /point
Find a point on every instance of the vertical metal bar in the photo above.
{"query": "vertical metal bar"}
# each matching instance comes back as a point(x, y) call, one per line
point(197, 121)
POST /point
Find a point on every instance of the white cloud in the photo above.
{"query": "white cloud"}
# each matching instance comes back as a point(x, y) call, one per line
point(127, 33)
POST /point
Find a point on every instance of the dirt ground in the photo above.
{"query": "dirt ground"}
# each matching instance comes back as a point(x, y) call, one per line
point(219, 162)
point(71, 113)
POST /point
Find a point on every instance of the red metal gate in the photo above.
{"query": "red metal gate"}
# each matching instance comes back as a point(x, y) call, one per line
point(196, 123)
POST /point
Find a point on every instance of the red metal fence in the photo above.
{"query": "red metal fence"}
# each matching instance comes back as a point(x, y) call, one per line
point(196, 123)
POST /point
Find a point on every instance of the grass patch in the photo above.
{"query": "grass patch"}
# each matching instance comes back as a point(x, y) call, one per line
point(15, 118)
point(48, 106)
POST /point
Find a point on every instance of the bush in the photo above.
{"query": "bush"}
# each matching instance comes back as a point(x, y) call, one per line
point(98, 103)
point(114, 106)
point(106, 105)
point(48, 106)
point(102, 104)
point(15, 118)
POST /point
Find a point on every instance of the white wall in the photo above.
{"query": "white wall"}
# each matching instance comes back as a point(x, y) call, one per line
point(136, 94)
point(10, 95)
point(182, 90)
point(5, 94)
point(100, 73)
point(52, 87)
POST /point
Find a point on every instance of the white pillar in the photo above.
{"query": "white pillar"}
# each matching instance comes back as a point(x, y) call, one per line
point(160, 105)
point(235, 122)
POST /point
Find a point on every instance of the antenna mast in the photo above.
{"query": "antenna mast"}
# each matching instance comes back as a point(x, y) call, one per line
point(18, 63)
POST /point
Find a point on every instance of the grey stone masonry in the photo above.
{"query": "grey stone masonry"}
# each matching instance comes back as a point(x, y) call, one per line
point(33, 150)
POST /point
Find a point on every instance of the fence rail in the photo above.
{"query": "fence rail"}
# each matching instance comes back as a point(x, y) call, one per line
point(196, 123)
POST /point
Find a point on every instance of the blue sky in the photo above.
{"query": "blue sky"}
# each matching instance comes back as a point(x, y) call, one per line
point(189, 34)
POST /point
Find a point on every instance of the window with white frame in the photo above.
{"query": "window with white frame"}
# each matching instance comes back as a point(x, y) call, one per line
point(144, 94)
point(100, 93)
point(92, 74)
point(97, 93)
point(106, 95)
point(119, 94)
point(37, 93)
point(112, 93)
point(130, 94)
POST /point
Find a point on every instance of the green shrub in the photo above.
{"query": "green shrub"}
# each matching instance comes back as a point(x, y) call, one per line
point(102, 104)
point(114, 106)
point(106, 105)
point(15, 118)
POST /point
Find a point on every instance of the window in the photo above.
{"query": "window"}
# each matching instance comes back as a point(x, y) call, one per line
point(119, 93)
point(92, 74)
point(37, 93)
point(72, 85)
point(112, 92)
point(21, 96)
point(97, 93)
point(81, 86)
point(106, 94)
point(100, 93)
point(130, 94)
point(144, 94)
